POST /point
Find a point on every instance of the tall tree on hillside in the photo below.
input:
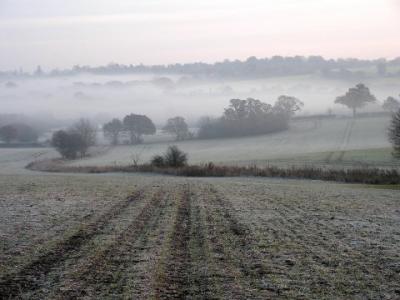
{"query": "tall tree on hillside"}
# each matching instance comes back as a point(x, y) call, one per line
point(87, 132)
point(356, 97)
point(178, 127)
point(112, 130)
point(137, 125)
point(391, 104)
point(394, 133)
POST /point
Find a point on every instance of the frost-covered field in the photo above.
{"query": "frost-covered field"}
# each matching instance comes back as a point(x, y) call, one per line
point(304, 138)
point(334, 142)
point(161, 237)
point(13, 161)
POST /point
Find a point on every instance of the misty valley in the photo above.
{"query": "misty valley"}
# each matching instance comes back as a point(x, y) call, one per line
point(199, 150)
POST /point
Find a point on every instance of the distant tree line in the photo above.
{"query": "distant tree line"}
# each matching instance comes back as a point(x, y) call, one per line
point(250, 68)
point(251, 117)
point(18, 133)
point(135, 126)
point(241, 118)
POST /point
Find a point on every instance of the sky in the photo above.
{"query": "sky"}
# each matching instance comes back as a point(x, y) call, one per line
point(63, 33)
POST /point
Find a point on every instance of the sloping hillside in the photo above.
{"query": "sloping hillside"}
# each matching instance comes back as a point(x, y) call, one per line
point(305, 138)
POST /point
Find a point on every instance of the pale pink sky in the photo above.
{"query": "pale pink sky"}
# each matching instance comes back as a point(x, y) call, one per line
point(62, 33)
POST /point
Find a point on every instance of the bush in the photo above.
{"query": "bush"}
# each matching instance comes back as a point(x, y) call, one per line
point(174, 158)
point(157, 161)
point(67, 144)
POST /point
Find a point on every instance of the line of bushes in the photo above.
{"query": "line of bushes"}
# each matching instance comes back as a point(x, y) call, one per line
point(362, 175)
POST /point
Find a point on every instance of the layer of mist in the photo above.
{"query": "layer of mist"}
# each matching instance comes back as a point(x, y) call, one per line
point(101, 98)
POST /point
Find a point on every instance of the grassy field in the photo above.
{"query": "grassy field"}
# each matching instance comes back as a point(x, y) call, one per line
point(13, 161)
point(331, 142)
point(154, 237)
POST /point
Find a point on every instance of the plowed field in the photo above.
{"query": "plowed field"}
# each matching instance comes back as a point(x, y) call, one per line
point(154, 237)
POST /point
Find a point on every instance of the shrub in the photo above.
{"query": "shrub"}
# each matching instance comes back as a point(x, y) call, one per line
point(67, 144)
point(157, 161)
point(174, 157)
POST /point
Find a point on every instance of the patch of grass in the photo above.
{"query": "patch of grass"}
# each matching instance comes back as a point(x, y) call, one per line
point(385, 186)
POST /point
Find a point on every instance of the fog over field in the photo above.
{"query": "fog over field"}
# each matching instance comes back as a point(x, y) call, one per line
point(102, 97)
point(213, 149)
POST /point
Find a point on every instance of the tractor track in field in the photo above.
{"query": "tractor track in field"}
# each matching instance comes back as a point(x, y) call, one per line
point(107, 272)
point(240, 271)
point(172, 280)
point(27, 278)
point(196, 239)
point(208, 254)
point(341, 150)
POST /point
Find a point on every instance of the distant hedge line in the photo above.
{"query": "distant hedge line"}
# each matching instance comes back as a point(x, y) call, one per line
point(361, 175)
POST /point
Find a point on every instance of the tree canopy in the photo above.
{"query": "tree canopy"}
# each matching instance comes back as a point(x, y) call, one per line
point(288, 105)
point(356, 97)
point(138, 125)
point(112, 130)
point(250, 117)
point(178, 127)
point(391, 104)
point(68, 144)
point(18, 132)
point(87, 132)
point(246, 109)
